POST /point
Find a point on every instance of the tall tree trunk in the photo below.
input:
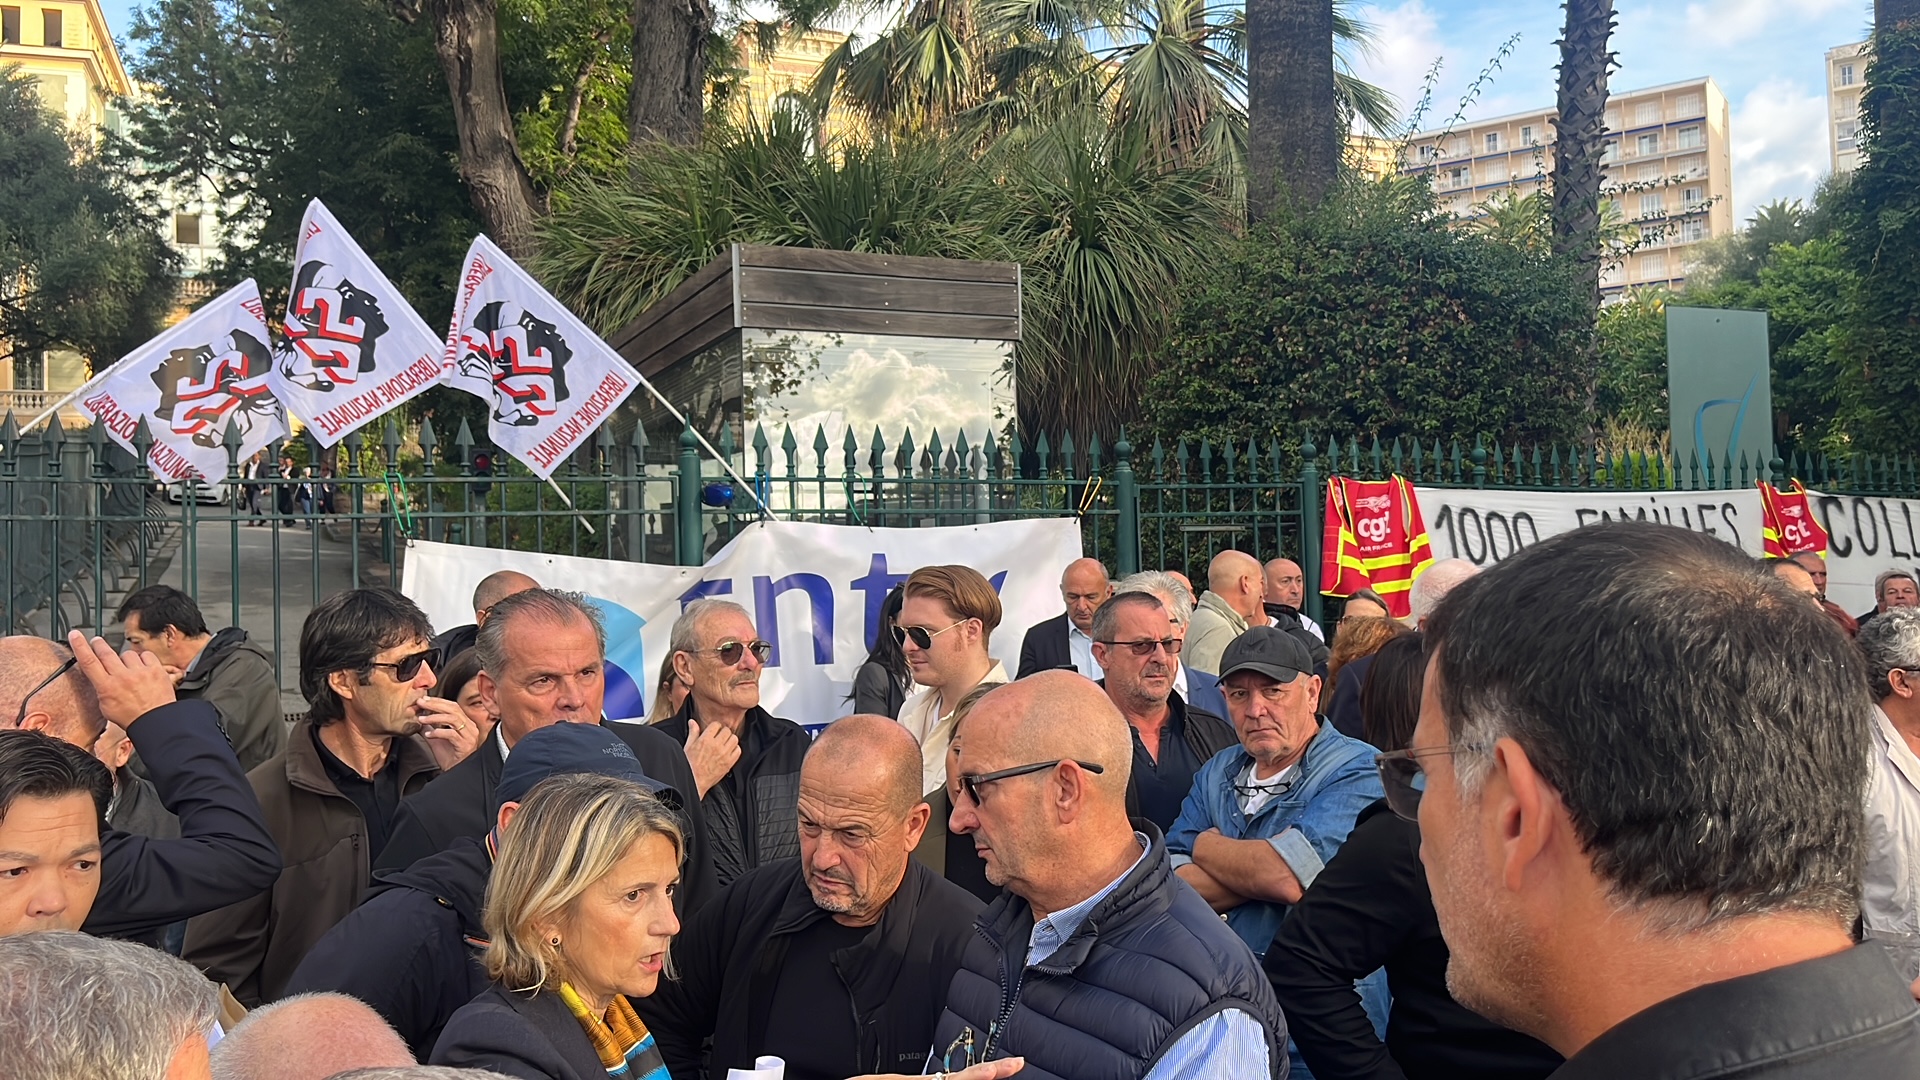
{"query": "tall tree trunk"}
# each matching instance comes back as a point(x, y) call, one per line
point(1584, 63)
point(1293, 119)
point(668, 100)
point(466, 37)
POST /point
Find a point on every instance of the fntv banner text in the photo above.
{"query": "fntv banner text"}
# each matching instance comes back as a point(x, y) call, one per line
point(814, 591)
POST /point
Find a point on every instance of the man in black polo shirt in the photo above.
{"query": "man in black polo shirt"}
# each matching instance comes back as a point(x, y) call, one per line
point(1134, 643)
point(1645, 764)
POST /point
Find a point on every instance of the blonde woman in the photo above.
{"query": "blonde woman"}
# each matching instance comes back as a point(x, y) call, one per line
point(579, 918)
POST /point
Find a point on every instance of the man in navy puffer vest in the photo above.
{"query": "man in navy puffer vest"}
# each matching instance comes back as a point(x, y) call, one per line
point(1096, 962)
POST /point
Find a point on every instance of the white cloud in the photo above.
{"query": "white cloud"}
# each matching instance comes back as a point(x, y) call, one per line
point(1779, 144)
point(1406, 43)
point(1725, 22)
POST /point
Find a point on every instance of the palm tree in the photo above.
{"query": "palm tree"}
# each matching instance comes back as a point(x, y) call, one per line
point(1293, 123)
point(1585, 61)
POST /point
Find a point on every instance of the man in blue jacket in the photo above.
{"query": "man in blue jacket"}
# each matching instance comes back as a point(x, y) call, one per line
point(1265, 816)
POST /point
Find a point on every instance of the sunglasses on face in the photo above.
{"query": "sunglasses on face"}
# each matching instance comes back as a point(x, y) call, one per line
point(21, 717)
point(970, 783)
point(1405, 779)
point(730, 651)
point(405, 668)
point(1145, 648)
point(920, 635)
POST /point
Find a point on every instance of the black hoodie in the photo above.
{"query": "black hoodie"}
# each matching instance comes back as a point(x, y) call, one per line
point(412, 949)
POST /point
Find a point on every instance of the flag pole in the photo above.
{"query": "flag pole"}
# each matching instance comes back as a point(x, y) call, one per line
point(65, 401)
point(563, 498)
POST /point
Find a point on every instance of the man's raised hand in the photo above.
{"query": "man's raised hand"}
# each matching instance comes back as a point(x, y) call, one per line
point(129, 686)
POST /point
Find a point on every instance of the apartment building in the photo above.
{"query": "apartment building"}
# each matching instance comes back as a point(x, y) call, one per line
point(1846, 78)
point(65, 48)
point(789, 69)
point(1668, 172)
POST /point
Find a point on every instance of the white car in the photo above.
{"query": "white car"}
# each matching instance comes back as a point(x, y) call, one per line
point(216, 494)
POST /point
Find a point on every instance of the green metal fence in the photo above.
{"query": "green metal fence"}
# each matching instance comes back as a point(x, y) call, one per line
point(82, 522)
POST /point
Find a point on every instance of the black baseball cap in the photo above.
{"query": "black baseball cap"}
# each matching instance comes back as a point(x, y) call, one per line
point(567, 748)
point(1268, 650)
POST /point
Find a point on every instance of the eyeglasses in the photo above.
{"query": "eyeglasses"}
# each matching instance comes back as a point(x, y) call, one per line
point(729, 651)
point(21, 717)
point(971, 783)
point(922, 637)
point(1145, 648)
point(405, 668)
point(1405, 780)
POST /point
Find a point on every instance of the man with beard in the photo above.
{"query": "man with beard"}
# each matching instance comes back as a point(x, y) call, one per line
point(1641, 773)
point(330, 797)
point(838, 961)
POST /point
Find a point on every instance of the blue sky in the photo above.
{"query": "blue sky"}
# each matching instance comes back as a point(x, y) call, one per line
point(1767, 56)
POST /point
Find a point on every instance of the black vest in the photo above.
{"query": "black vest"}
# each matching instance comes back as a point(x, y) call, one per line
point(1150, 963)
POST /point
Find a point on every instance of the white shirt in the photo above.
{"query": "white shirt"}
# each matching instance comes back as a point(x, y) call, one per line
point(1255, 793)
point(1081, 648)
point(919, 714)
point(1312, 627)
point(1890, 904)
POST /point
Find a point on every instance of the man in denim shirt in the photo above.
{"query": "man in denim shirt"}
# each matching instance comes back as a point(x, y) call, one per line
point(1265, 816)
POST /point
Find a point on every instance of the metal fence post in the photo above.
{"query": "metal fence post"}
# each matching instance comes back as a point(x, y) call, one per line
point(686, 502)
point(1127, 509)
point(1311, 604)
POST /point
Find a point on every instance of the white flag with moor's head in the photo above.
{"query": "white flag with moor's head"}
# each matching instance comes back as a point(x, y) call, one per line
point(190, 383)
point(548, 381)
point(355, 347)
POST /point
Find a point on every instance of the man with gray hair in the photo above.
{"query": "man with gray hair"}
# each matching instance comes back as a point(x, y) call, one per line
point(543, 657)
point(745, 760)
point(1890, 903)
point(1433, 585)
point(1892, 589)
point(74, 1006)
point(308, 1037)
point(1173, 594)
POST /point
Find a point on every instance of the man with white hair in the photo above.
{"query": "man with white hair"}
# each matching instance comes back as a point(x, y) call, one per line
point(1890, 906)
point(75, 1006)
point(1433, 586)
point(308, 1037)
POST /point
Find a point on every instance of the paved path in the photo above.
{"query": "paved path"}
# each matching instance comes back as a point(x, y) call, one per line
point(272, 607)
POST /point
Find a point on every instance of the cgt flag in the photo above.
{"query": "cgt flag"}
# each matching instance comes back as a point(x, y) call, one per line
point(190, 382)
point(355, 348)
point(548, 381)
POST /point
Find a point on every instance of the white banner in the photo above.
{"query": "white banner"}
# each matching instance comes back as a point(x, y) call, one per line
point(814, 591)
point(355, 347)
point(190, 382)
point(548, 380)
point(1868, 534)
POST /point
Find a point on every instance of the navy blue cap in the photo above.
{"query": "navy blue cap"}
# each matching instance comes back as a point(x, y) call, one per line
point(567, 748)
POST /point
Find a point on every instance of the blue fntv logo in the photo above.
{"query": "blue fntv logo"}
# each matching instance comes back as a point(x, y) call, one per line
point(627, 681)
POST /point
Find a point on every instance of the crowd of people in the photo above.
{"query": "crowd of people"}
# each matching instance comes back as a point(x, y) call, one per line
point(1674, 832)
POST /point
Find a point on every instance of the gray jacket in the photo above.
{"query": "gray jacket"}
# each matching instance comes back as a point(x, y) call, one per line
point(1212, 629)
point(235, 676)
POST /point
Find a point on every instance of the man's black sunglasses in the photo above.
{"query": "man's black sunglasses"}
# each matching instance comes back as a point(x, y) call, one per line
point(21, 717)
point(405, 668)
point(971, 782)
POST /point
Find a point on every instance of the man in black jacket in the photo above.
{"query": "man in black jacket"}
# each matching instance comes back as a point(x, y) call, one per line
point(413, 949)
point(492, 589)
point(1136, 645)
point(745, 760)
point(837, 961)
point(223, 853)
point(544, 656)
point(1066, 640)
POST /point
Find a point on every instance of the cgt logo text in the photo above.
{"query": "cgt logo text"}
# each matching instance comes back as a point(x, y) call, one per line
point(629, 677)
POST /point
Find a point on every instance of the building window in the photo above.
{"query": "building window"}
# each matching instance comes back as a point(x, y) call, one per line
point(1652, 204)
point(1689, 105)
point(1428, 154)
point(1847, 134)
point(1457, 177)
point(29, 371)
point(186, 230)
point(1650, 174)
point(1647, 144)
point(1613, 119)
point(1693, 230)
point(1611, 151)
point(1526, 135)
point(1692, 197)
point(51, 31)
point(1846, 74)
point(9, 26)
point(1457, 146)
point(1653, 265)
point(1493, 142)
point(1690, 137)
point(1647, 112)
